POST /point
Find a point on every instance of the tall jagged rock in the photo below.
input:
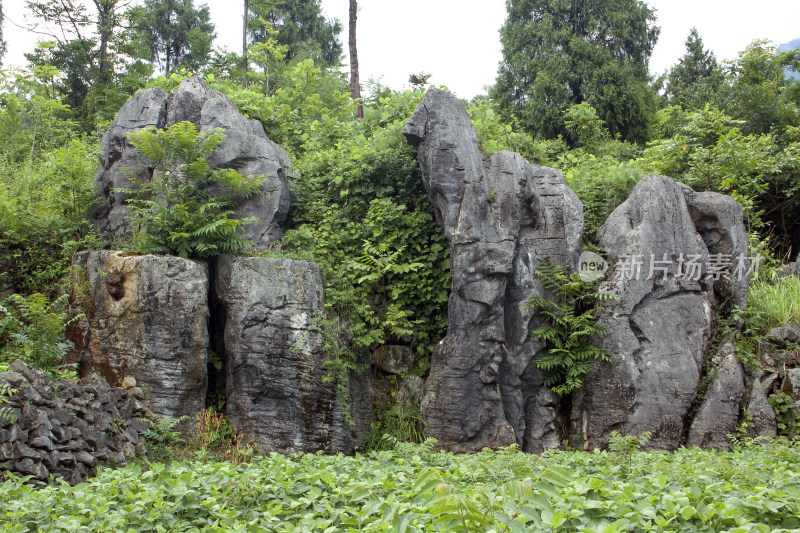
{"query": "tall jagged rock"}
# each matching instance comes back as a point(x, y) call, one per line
point(278, 398)
point(245, 148)
point(146, 317)
point(502, 217)
point(660, 327)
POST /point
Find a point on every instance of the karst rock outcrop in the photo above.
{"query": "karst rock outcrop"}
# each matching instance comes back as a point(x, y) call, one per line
point(146, 318)
point(659, 330)
point(277, 395)
point(154, 318)
point(675, 254)
point(502, 217)
point(245, 148)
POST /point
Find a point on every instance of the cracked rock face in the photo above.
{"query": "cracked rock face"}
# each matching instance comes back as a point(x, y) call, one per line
point(146, 319)
point(277, 398)
point(658, 330)
point(245, 148)
point(502, 217)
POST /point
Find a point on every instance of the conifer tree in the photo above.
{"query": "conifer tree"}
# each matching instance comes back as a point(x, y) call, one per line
point(696, 77)
point(557, 53)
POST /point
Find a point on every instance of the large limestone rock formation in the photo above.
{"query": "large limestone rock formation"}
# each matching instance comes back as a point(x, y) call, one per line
point(245, 148)
point(659, 240)
point(763, 421)
point(146, 319)
point(274, 360)
point(502, 217)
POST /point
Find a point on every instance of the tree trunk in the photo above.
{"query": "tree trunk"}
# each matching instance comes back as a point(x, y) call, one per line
point(355, 86)
point(244, 42)
point(104, 27)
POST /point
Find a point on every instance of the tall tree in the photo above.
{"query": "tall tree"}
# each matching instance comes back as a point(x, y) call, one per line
point(72, 23)
point(175, 33)
point(245, 18)
point(758, 90)
point(355, 84)
point(557, 53)
point(301, 28)
point(2, 42)
point(697, 76)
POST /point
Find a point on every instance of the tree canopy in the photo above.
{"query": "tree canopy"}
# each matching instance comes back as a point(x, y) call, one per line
point(557, 53)
point(696, 77)
point(301, 28)
point(175, 33)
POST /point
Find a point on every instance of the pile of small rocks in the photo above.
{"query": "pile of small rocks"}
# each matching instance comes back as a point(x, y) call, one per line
point(63, 429)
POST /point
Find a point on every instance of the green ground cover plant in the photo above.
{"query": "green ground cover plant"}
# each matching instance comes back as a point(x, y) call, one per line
point(412, 488)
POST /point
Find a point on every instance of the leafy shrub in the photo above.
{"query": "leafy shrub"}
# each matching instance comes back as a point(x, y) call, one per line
point(163, 439)
point(362, 213)
point(5, 412)
point(787, 413)
point(186, 209)
point(211, 431)
point(43, 222)
point(573, 329)
point(32, 329)
point(400, 423)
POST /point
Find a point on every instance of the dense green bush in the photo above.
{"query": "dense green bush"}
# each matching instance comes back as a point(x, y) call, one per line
point(46, 170)
point(363, 214)
point(187, 209)
point(32, 329)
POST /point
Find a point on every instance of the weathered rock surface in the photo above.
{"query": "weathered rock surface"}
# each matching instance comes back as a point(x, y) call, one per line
point(245, 148)
point(276, 395)
point(502, 217)
point(789, 269)
point(411, 391)
point(719, 220)
point(119, 161)
point(658, 329)
point(784, 336)
point(719, 413)
point(64, 428)
point(394, 359)
point(791, 384)
point(763, 423)
point(146, 319)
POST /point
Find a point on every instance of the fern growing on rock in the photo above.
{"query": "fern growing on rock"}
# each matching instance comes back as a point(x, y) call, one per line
point(187, 209)
point(572, 329)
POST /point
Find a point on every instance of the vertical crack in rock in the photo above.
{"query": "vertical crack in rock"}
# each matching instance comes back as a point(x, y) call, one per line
point(502, 217)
